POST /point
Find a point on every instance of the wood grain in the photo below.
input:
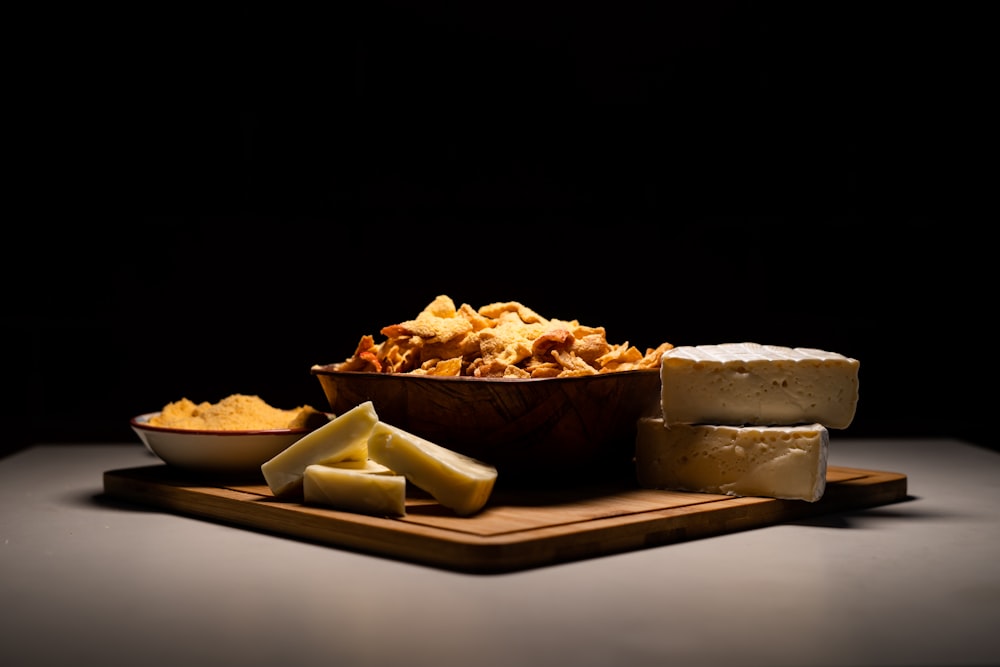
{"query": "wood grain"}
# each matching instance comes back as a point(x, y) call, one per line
point(526, 428)
point(518, 529)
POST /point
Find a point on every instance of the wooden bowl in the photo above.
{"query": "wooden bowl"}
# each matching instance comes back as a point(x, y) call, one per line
point(533, 429)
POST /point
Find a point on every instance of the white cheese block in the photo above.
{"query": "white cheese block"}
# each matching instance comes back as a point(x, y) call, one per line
point(456, 481)
point(343, 438)
point(751, 384)
point(787, 462)
point(355, 489)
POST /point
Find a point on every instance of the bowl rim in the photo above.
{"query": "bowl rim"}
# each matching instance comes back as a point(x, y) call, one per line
point(141, 422)
point(325, 370)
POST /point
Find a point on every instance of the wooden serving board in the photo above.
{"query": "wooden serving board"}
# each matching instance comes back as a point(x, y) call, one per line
point(518, 529)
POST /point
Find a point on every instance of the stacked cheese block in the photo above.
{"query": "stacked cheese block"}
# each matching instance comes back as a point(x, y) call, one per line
point(745, 419)
point(357, 463)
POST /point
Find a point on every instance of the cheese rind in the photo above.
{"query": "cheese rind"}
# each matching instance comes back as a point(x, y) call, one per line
point(355, 490)
point(456, 481)
point(740, 384)
point(343, 438)
point(787, 462)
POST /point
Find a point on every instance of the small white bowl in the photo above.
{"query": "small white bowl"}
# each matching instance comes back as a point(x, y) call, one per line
point(231, 452)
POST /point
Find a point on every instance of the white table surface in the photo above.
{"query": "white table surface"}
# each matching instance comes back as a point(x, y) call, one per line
point(89, 580)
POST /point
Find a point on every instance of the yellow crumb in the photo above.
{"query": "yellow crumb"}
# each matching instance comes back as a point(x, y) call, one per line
point(237, 412)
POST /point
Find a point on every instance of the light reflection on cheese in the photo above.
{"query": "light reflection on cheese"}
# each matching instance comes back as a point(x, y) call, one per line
point(367, 466)
point(786, 462)
point(456, 481)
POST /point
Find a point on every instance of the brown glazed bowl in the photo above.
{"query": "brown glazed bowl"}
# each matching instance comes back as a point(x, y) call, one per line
point(550, 429)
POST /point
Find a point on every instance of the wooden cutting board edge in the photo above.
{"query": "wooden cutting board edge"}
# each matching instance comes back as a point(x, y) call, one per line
point(705, 515)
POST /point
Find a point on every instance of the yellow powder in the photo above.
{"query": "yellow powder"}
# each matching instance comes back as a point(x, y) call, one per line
point(234, 413)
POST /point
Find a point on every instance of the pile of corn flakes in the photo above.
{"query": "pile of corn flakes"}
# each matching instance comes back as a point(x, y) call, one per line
point(499, 340)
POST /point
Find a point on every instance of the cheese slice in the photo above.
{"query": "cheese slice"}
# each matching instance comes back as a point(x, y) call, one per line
point(355, 489)
point(751, 384)
point(787, 462)
point(343, 438)
point(456, 481)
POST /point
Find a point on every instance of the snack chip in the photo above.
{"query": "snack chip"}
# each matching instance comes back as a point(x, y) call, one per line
point(499, 340)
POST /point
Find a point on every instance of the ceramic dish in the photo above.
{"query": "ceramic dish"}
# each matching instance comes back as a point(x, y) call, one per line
point(214, 451)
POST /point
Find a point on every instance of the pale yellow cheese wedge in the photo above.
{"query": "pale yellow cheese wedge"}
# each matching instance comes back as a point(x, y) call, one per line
point(458, 482)
point(355, 489)
point(787, 462)
point(341, 439)
point(739, 384)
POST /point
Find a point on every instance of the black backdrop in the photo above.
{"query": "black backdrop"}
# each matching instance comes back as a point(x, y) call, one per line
point(226, 200)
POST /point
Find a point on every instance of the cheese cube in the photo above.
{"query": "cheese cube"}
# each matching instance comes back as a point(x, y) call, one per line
point(355, 489)
point(750, 384)
point(343, 438)
point(786, 462)
point(456, 481)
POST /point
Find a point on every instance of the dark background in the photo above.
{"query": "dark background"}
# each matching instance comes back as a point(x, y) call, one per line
point(215, 201)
